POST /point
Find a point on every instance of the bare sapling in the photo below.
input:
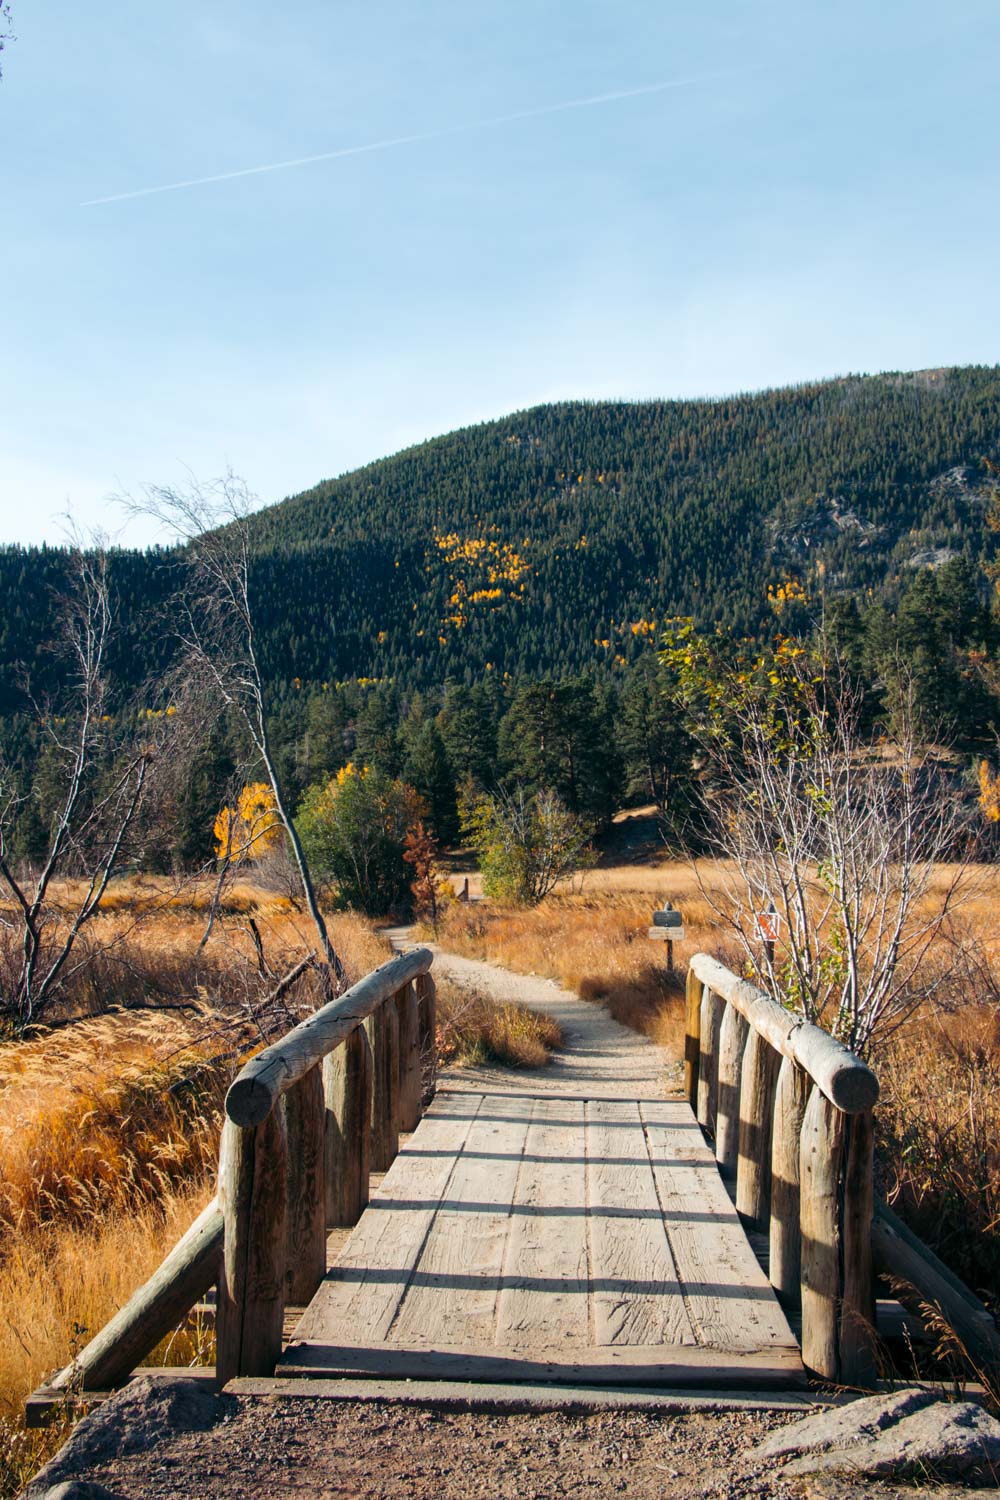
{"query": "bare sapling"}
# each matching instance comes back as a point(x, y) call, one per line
point(103, 758)
point(861, 842)
point(212, 617)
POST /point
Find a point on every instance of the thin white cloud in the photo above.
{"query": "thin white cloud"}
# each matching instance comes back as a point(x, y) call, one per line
point(427, 135)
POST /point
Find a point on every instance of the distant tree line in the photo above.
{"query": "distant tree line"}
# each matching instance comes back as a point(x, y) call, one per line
point(599, 742)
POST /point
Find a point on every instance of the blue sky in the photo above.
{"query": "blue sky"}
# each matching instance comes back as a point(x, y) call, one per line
point(816, 192)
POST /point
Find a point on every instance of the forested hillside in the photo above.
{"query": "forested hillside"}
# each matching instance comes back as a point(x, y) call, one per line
point(406, 610)
point(555, 538)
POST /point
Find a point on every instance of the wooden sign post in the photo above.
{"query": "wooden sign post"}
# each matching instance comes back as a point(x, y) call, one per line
point(768, 929)
point(668, 925)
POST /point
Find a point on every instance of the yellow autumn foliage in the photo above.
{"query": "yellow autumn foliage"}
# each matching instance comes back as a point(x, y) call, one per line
point(251, 828)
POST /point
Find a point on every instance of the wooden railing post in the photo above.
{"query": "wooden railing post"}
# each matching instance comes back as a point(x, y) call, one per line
point(785, 1260)
point(427, 996)
point(820, 1158)
point(857, 1308)
point(253, 1193)
point(712, 1006)
point(757, 1108)
point(732, 1039)
point(383, 1033)
point(692, 1038)
point(410, 1083)
point(347, 1086)
point(305, 1121)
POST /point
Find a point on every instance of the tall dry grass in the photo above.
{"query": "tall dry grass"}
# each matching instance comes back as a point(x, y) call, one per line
point(938, 1123)
point(109, 1123)
point(474, 1029)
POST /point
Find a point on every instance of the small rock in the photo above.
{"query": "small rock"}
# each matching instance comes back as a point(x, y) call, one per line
point(839, 1425)
point(131, 1421)
point(910, 1433)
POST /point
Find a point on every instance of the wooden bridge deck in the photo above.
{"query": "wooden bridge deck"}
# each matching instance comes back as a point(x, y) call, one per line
point(527, 1237)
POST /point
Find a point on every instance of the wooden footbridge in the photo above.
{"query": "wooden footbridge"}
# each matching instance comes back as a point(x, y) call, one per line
point(600, 1237)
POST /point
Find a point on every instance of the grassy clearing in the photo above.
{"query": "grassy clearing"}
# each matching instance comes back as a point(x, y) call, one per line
point(473, 1029)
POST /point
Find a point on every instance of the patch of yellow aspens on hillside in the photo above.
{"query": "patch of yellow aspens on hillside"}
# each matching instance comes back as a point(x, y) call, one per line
point(482, 570)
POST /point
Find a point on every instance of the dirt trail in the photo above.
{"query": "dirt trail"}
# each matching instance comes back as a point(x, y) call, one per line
point(599, 1057)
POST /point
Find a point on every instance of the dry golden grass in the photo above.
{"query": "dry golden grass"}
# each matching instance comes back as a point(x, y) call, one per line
point(109, 1125)
point(938, 1123)
point(144, 941)
point(103, 1118)
point(472, 1029)
point(59, 1286)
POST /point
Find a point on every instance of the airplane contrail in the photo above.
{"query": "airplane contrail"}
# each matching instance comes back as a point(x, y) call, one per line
point(426, 135)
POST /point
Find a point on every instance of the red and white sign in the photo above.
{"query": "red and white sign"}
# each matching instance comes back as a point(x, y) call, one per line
point(768, 926)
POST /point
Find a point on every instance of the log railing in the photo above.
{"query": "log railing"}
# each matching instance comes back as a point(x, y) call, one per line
point(295, 1152)
point(790, 1112)
point(306, 1121)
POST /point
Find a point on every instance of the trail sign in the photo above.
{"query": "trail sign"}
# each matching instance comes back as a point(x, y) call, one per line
point(768, 925)
point(668, 927)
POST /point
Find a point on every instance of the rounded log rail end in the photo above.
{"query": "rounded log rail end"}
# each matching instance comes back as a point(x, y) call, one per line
point(843, 1078)
point(259, 1085)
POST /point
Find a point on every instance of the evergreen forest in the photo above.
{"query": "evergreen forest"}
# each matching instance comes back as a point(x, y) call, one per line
point(486, 607)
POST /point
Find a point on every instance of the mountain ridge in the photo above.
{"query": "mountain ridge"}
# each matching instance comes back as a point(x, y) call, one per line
point(558, 538)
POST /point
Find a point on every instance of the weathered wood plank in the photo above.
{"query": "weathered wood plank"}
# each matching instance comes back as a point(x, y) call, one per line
point(305, 1122)
point(732, 1039)
point(365, 1287)
point(757, 1102)
point(820, 1154)
point(427, 997)
point(785, 1234)
point(857, 1305)
point(729, 1300)
point(253, 1196)
point(383, 1034)
point(692, 1037)
point(410, 1080)
point(634, 1290)
point(616, 1365)
point(712, 1009)
point(544, 1298)
point(453, 1295)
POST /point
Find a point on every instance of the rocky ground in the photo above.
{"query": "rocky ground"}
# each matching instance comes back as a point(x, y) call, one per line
point(177, 1444)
